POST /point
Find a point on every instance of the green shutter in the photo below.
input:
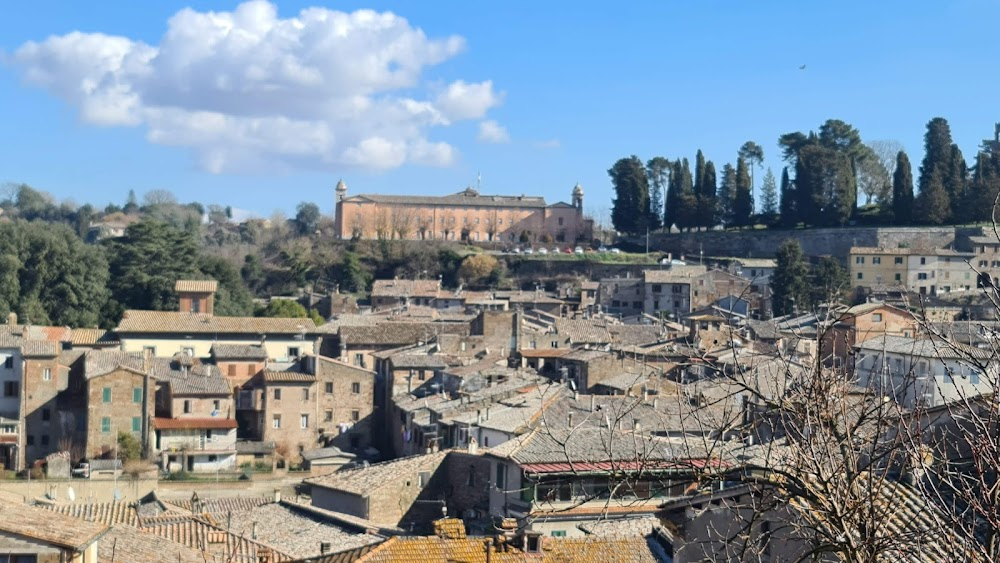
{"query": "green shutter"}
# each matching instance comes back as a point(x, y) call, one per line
point(107, 394)
point(136, 424)
point(106, 422)
point(137, 394)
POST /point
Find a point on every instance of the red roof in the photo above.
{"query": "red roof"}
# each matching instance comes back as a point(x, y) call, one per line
point(8, 439)
point(194, 423)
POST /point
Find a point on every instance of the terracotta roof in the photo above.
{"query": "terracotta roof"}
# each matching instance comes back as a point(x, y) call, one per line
point(464, 198)
point(101, 362)
point(172, 322)
point(238, 352)
point(363, 480)
point(206, 537)
point(194, 423)
point(405, 288)
point(428, 361)
point(533, 297)
point(196, 286)
point(593, 549)
point(92, 336)
point(222, 505)
point(905, 251)
point(288, 376)
point(398, 333)
point(125, 543)
point(49, 527)
point(676, 274)
point(198, 379)
point(107, 513)
point(40, 349)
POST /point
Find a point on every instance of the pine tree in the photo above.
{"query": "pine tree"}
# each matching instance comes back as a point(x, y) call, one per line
point(727, 189)
point(630, 207)
point(743, 197)
point(932, 206)
point(789, 283)
point(937, 160)
point(983, 188)
point(788, 209)
point(707, 202)
point(769, 196)
point(902, 191)
point(655, 212)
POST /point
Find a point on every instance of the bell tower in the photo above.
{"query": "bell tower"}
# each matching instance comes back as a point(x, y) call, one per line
point(578, 196)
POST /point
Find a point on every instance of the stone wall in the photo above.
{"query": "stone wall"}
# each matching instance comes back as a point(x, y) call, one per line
point(86, 490)
point(815, 242)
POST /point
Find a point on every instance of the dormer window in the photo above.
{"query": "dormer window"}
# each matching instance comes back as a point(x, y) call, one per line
point(195, 305)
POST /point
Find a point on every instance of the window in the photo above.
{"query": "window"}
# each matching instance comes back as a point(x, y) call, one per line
point(232, 370)
point(187, 406)
point(861, 276)
point(150, 349)
point(922, 276)
point(305, 394)
point(328, 416)
point(189, 352)
point(559, 533)
point(208, 435)
point(10, 389)
point(276, 421)
point(859, 260)
point(923, 260)
point(356, 388)
point(45, 439)
point(995, 264)
point(676, 288)
point(304, 421)
point(31, 440)
point(293, 351)
point(46, 415)
point(899, 277)
point(213, 458)
point(277, 394)
point(657, 288)
point(8, 362)
point(106, 395)
point(137, 394)
point(216, 405)
point(560, 221)
point(501, 476)
point(47, 374)
point(982, 263)
point(359, 359)
point(196, 305)
point(106, 425)
point(355, 415)
point(897, 260)
point(876, 317)
point(877, 260)
point(136, 424)
point(423, 478)
point(328, 388)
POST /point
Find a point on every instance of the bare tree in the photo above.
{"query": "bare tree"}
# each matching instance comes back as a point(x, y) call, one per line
point(402, 221)
point(159, 197)
point(876, 169)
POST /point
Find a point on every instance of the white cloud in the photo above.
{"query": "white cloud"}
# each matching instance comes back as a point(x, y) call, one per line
point(550, 144)
point(248, 90)
point(492, 132)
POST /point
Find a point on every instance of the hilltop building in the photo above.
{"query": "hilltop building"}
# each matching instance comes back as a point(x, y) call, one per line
point(466, 215)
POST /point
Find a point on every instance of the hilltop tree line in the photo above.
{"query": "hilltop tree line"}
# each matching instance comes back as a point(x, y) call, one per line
point(55, 269)
point(826, 173)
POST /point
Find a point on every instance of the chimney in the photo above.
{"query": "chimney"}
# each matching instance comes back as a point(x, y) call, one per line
point(488, 544)
point(656, 402)
point(277, 496)
point(253, 530)
point(324, 547)
point(569, 420)
point(12, 318)
point(593, 403)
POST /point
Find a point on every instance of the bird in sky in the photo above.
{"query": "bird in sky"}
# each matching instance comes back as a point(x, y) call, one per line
point(802, 67)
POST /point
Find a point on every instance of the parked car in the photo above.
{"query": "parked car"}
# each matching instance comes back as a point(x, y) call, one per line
point(543, 250)
point(568, 250)
point(602, 249)
point(529, 250)
point(81, 470)
point(578, 250)
point(615, 251)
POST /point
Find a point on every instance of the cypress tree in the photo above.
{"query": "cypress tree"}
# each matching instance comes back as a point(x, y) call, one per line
point(932, 205)
point(983, 188)
point(937, 160)
point(902, 191)
point(956, 184)
point(787, 209)
point(687, 202)
point(743, 198)
point(699, 181)
point(724, 199)
point(707, 202)
point(671, 203)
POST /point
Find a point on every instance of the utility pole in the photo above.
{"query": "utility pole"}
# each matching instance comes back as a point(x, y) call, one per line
point(647, 240)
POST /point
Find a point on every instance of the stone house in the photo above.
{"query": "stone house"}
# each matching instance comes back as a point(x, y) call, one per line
point(357, 344)
point(345, 398)
point(861, 322)
point(111, 393)
point(239, 362)
point(43, 536)
point(195, 424)
point(44, 379)
point(395, 293)
point(196, 296)
point(925, 271)
point(408, 493)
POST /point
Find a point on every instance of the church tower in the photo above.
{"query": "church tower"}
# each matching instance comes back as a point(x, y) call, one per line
point(338, 211)
point(578, 197)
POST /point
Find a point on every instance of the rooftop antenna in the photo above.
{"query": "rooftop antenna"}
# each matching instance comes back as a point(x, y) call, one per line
point(479, 179)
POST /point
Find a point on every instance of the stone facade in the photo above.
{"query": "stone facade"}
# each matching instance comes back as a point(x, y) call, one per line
point(111, 408)
point(44, 420)
point(346, 399)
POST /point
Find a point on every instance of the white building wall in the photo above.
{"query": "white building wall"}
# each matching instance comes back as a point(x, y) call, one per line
point(278, 348)
point(932, 381)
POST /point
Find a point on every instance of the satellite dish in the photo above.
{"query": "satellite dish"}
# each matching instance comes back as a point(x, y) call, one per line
point(70, 493)
point(215, 412)
point(118, 495)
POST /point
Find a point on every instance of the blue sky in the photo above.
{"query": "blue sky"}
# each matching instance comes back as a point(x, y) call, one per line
point(535, 96)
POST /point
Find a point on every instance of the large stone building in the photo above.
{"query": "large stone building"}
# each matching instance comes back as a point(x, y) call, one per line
point(466, 215)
